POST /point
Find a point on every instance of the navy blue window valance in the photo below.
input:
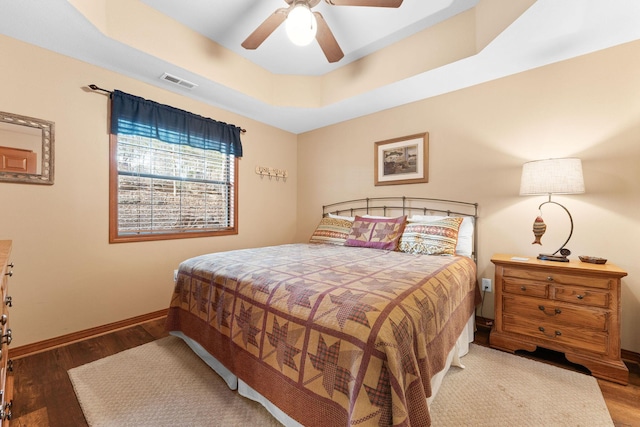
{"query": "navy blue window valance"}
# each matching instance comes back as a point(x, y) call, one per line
point(132, 115)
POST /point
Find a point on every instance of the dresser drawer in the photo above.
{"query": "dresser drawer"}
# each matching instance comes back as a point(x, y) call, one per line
point(555, 336)
point(580, 296)
point(525, 287)
point(556, 313)
point(558, 278)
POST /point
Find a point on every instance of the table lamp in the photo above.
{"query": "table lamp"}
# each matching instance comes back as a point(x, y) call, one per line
point(553, 176)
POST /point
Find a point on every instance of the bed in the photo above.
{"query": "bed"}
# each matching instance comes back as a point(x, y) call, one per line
point(348, 329)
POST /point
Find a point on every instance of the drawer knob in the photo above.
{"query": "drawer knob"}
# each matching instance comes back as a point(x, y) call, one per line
point(9, 301)
point(555, 311)
point(6, 338)
point(5, 415)
point(580, 296)
point(523, 288)
point(9, 273)
point(549, 279)
point(555, 334)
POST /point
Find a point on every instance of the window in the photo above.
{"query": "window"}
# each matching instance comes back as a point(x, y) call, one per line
point(169, 181)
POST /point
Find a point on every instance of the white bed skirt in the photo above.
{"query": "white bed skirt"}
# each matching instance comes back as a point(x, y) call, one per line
point(459, 349)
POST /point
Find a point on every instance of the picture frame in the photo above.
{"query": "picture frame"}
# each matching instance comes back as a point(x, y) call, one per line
point(403, 160)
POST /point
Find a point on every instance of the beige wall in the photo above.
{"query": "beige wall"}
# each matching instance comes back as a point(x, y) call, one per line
point(67, 276)
point(587, 107)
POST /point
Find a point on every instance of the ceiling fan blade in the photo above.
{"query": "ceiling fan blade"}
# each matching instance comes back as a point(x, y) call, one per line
point(327, 41)
point(372, 3)
point(265, 29)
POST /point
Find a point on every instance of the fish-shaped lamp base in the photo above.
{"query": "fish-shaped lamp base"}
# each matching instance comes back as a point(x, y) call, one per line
point(539, 227)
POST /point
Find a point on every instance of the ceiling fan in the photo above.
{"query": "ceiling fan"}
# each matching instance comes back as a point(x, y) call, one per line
point(310, 24)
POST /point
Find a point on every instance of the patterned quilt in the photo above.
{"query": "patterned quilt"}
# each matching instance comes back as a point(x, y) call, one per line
point(332, 335)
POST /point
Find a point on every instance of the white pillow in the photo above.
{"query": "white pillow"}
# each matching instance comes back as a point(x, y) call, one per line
point(348, 218)
point(352, 218)
point(465, 233)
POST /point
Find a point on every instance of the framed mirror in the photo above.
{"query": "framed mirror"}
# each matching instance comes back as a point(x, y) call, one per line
point(26, 149)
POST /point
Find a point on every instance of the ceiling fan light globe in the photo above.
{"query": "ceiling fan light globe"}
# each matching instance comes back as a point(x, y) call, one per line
point(301, 25)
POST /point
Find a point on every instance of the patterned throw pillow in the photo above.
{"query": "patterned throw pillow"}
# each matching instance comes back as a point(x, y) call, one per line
point(465, 233)
point(378, 233)
point(431, 238)
point(332, 231)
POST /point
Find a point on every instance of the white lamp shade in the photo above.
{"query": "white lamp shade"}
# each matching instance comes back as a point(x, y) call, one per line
point(552, 176)
point(301, 25)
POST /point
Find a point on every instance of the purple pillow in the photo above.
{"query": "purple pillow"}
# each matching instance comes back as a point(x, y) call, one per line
point(377, 233)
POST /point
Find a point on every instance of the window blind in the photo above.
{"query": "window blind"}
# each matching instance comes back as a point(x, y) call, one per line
point(167, 188)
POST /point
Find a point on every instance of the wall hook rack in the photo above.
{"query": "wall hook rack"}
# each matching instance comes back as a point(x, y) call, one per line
point(272, 173)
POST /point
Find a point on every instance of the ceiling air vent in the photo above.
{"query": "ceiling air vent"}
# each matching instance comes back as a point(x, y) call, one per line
point(178, 81)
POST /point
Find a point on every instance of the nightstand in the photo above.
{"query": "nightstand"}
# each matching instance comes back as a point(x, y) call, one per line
point(571, 307)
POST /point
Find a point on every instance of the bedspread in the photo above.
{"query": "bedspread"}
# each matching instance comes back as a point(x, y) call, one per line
point(332, 335)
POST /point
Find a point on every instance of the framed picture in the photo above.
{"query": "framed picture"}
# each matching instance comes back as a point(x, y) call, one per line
point(402, 160)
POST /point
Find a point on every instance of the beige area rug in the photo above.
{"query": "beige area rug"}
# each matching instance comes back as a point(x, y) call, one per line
point(500, 389)
point(164, 383)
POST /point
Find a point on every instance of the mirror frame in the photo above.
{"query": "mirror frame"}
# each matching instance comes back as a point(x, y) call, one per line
point(47, 129)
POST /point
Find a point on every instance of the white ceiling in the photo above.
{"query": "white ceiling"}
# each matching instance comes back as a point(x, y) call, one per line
point(549, 31)
point(230, 22)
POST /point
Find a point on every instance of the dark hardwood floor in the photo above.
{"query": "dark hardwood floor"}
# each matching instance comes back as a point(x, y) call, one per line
point(44, 396)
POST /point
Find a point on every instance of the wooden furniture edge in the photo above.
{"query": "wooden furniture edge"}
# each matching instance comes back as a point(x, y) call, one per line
point(38, 347)
point(615, 371)
point(6, 367)
point(562, 267)
point(627, 356)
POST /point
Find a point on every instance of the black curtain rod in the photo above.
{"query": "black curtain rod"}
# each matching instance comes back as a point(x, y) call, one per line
point(94, 87)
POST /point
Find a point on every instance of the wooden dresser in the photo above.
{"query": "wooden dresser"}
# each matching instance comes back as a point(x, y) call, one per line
point(6, 370)
point(572, 307)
